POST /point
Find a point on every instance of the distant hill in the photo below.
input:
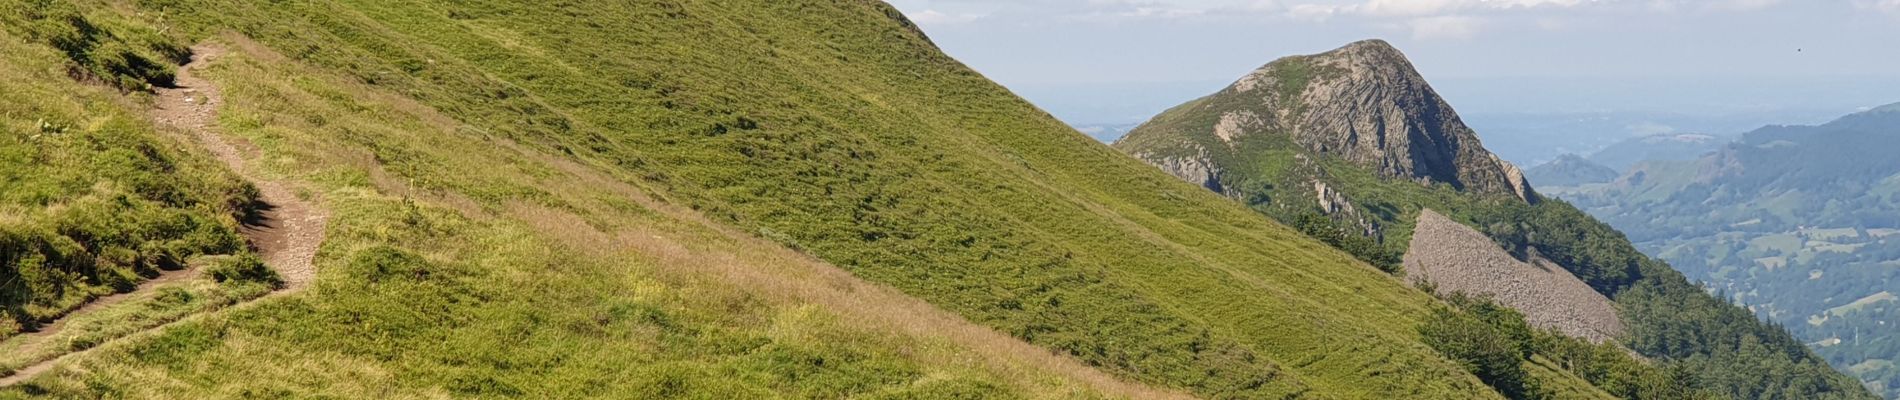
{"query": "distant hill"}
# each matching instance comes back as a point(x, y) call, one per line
point(1666, 147)
point(1352, 146)
point(1796, 221)
point(1570, 170)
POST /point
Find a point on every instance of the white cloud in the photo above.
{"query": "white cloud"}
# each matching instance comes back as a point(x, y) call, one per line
point(1160, 12)
point(934, 17)
point(1314, 12)
point(1418, 8)
point(1746, 5)
point(1888, 6)
point(1445, 27)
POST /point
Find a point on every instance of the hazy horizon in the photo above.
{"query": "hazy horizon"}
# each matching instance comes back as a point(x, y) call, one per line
point(1104, 62)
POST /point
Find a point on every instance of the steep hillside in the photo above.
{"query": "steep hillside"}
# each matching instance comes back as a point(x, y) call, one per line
point(1351, 145)
point(748, 198)
point(92, 202)
point(1570, 170)
point(576, 283)
point(1796, 222)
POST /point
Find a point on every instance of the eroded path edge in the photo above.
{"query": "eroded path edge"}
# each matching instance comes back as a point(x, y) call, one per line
point(286, 233)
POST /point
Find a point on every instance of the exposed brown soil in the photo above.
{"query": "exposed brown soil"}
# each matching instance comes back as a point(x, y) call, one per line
point(1458, 258)
point(286, 233)
point(290, 228)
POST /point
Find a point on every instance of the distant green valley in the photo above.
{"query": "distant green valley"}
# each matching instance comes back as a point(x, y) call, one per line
point(1798, 223)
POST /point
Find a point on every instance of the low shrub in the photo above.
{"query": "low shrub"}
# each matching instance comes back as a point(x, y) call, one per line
point(242, 269)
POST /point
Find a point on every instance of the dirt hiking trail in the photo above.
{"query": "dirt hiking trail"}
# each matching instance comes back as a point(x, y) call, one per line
point(291, 228)
point(286, 234)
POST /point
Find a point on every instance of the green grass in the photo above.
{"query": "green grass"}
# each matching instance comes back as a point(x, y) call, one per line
point(517, 192)
point(418, 299)
point(1863, 302)
point(1787, 244)
point(1014, 222)
point(144, 310)
point(95, 201)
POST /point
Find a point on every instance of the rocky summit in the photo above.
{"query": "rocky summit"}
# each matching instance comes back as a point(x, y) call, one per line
point(1363, 103)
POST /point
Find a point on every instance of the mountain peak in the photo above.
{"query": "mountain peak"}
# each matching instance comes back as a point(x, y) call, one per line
point(1375, 44)
point(1363, 102)
point(1369, 50)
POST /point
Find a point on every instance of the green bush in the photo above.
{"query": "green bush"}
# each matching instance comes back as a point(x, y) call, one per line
point(94, 201)
point(243, 269)
point(98, 244)
point(1362, 247)
point(1478, 332)
point(129, 57)
point(1480, 347)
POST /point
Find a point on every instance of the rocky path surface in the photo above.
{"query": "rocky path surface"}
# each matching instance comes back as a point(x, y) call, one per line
point(291, 227)
point(286, 234)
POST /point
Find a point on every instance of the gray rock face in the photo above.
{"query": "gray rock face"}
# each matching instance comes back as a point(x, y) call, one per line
point(1457, 258)
point(1365, 103)
point(1376, 110)
point(1197, 169)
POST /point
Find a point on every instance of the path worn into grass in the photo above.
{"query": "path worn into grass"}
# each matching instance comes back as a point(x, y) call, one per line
point(290, 228)
point(286, 233)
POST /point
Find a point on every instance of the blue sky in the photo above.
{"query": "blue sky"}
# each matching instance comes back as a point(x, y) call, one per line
point(1121, 60)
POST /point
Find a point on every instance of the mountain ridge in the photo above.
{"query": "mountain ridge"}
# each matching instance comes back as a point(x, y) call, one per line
point(1363, 102)
point(1352, 147)
point(1794, 221)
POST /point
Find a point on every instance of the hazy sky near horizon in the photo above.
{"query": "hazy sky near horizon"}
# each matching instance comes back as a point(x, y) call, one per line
point(1101, 59)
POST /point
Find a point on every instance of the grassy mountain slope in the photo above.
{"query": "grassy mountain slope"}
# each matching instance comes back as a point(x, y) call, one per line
point(1254, 142)
point(569, 200)
point(427, 294)
point(93, 202)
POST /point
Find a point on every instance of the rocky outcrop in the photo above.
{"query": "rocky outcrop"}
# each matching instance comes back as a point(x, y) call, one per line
point(1457, 258)
point(1363, 103)
point(1330, 201)
point(1367, 104)
point(1234, 124)
point(1198, 168)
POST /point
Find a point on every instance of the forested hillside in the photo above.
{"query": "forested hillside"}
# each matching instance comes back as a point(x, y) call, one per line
point(1796, 222)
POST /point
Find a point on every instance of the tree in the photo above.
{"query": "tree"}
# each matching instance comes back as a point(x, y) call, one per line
point(1482, 349)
